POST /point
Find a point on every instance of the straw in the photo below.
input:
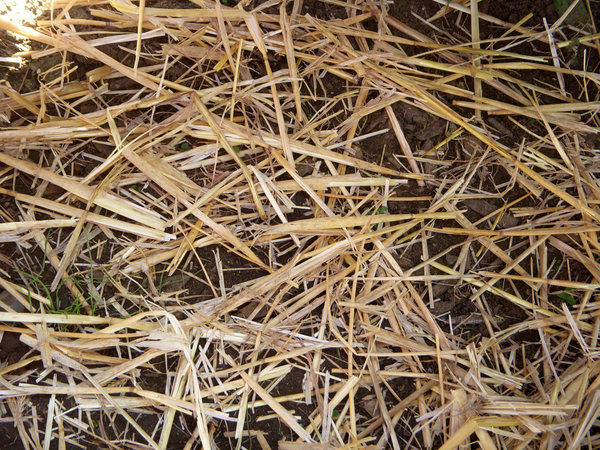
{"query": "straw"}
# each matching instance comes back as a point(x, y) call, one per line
point(272, 228)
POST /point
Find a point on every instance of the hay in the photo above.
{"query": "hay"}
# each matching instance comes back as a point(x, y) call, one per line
point(133, 190)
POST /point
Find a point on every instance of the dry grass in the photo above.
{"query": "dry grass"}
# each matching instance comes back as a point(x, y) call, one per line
point(218, 139)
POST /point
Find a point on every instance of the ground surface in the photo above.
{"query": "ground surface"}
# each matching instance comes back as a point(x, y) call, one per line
point(455, 310)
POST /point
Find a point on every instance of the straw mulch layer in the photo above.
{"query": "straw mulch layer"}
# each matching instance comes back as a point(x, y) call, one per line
point(365, 226)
